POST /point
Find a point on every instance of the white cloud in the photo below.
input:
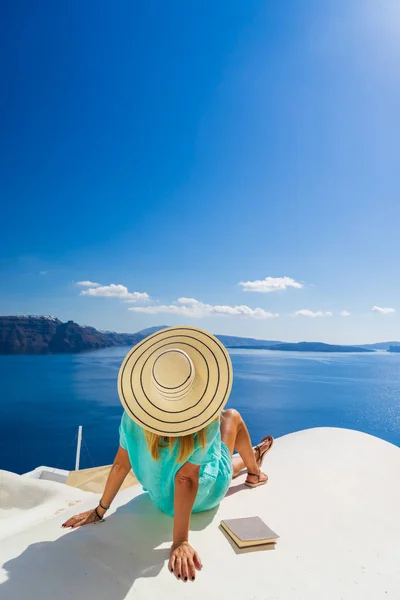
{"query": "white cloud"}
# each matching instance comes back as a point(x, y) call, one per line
point(312, 314)
point(383, 311)
point(115, 291)
point(90, 284)
point(345, 313)
point(189, 307)
point(270, 284)
point(43, 272)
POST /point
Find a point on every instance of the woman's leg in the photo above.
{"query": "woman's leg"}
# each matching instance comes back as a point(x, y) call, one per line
point(235, 435)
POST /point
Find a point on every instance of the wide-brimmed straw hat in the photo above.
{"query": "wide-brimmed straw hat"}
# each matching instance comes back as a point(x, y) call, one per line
point(176, 381)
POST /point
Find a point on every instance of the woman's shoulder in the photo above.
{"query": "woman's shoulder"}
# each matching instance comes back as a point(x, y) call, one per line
point(125, 420)
point(128, 425)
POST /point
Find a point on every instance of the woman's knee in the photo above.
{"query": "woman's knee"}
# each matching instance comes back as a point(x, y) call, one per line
point(231, 423)
point(231, 414)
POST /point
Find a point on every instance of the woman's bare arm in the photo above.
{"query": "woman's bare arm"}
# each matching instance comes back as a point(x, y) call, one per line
point(116, 477)
point(186, 485)
point(184, 560)
point(119, 471)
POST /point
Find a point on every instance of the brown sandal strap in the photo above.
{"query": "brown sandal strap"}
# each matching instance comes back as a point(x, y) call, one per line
point(254, 475)
point(260, 456)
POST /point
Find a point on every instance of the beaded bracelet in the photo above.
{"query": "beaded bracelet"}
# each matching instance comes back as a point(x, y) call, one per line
point(103, 507)
point(98, 516)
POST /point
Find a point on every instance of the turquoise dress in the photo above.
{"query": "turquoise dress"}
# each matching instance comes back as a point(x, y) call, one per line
point(158, 476)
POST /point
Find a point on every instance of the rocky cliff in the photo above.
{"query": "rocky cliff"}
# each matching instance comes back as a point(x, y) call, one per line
point(48, 335)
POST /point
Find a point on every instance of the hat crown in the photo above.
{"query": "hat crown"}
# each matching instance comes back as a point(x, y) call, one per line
point(173, 372)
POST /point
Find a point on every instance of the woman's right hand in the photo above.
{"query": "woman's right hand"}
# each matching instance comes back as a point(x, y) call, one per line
point(184, 561)
point(85, 518)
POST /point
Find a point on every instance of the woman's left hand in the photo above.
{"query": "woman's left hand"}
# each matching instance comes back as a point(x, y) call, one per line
point(84, 518)
point(184, 561)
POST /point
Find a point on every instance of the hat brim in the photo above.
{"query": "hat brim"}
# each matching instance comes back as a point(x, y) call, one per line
point(206, 398)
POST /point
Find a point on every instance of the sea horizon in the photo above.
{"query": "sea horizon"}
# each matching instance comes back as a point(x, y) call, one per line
point(46, 334)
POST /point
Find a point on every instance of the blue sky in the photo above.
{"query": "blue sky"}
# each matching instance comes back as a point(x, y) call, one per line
point(181, 149)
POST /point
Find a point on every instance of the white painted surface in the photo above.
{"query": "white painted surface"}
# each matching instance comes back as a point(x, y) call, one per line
point(48, 473)
point(333, 496)
point(25, 502)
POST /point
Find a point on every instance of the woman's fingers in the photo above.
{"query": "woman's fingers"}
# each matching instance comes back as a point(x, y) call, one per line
point(197, 561)
point(178, 567)
point(79, 522)
point(184, 568)
point(71, 521)
point(172, 561)
point(66, 524)
point(191, 569)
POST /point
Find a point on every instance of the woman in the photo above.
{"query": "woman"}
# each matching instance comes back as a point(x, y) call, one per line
point(175, 435)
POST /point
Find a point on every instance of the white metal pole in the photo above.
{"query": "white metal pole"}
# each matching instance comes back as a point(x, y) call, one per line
point(78, 448)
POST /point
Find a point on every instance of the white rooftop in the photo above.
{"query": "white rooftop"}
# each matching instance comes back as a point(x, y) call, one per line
point(333, 496)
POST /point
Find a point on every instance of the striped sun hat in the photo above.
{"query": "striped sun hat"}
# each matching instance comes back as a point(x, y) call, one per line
point(176, 381)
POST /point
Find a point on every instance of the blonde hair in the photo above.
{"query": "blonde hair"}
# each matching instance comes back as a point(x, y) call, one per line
point(185, 444)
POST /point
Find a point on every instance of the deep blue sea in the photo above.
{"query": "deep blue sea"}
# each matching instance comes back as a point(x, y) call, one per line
point(43, 399)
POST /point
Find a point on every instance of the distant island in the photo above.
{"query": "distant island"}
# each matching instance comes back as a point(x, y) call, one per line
point(231, 341)
point(380, 345)
point(308, 347)
point(33, 334)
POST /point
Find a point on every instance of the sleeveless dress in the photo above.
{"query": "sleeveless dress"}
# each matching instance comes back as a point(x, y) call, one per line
point(158, 477)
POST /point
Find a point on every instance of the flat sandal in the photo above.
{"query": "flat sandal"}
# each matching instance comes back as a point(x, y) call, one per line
point(261, 456)
point(254, 485)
